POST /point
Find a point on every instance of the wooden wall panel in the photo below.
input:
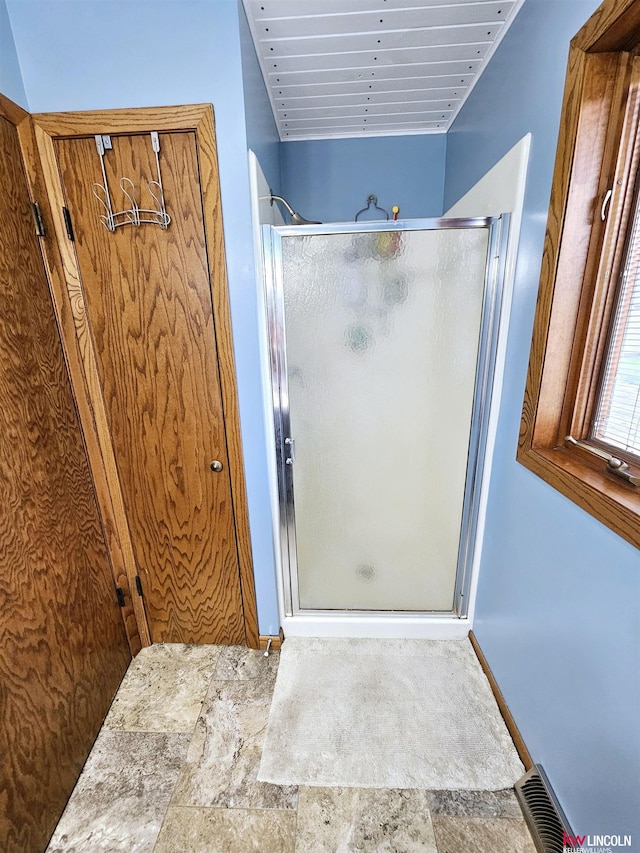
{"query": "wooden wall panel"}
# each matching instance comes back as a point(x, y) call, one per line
point(63, 650)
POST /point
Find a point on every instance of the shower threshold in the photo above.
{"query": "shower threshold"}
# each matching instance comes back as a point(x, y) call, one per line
point(380, 625)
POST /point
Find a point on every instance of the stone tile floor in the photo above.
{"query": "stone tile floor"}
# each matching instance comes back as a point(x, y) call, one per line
point(174, 771)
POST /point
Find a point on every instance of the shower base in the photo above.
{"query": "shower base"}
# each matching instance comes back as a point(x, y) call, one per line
point(428, 626)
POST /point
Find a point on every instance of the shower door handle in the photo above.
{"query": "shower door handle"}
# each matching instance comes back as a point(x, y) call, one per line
point(291, 446)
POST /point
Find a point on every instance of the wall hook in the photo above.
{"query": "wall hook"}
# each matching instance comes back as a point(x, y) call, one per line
point(371, 200)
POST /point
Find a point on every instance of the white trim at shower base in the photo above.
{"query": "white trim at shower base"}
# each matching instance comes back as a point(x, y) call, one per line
point(379, 627)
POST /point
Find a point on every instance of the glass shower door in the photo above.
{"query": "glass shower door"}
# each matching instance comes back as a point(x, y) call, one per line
point(379, 333)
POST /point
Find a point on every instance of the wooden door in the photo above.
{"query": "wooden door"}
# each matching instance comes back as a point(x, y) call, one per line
point(148, 300)
point(63, 648)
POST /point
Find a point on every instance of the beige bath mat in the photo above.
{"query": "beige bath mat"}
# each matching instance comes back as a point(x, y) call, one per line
point(386, 714)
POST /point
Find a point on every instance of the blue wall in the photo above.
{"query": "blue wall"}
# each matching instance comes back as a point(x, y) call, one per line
point(558, 611)
point(161, 53)
point(262, 134)
point(11, 83)
point(329, 180)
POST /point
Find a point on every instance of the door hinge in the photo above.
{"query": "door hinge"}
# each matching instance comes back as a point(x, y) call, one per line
point(67, 223)
point(37, 215)
point(120, 596)
point(138, 584)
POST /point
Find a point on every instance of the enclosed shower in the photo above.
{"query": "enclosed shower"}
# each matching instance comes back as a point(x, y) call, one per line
point(382, 340)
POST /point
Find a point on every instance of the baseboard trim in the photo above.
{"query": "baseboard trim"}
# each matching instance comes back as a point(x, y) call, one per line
point(516, 737)
point(276, 642)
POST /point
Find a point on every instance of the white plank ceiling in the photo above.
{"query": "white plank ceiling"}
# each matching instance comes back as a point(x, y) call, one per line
point(338, 68)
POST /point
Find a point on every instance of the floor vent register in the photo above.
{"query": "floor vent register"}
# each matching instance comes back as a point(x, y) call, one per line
point(547, 822)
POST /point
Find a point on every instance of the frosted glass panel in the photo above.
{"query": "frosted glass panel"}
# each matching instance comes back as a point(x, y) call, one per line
point(382, 333)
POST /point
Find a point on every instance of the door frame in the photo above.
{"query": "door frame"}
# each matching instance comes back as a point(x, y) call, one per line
point(38, 134)
point(310, 621)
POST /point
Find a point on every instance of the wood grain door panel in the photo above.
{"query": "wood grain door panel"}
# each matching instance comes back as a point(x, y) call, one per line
point(63, 649)
point(149, 309)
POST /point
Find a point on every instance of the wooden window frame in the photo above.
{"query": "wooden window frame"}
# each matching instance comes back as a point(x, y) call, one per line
point(577, 282)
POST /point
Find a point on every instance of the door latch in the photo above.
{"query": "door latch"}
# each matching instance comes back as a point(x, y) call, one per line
point(291, 446)
point(621, 469)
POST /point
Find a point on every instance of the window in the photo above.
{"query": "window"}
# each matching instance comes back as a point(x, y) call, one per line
point(616, 422)
point(581, 414)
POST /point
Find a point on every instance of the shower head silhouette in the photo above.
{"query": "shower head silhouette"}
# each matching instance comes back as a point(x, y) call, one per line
point(296, 219)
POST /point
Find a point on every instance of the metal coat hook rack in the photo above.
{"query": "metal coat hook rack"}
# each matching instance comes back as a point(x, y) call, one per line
point(133, 215)
point(372, 200)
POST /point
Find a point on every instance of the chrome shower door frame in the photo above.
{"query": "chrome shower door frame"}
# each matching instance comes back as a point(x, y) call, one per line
point(498, 228)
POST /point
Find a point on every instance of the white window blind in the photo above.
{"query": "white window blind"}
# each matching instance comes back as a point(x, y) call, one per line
point(617, 422)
